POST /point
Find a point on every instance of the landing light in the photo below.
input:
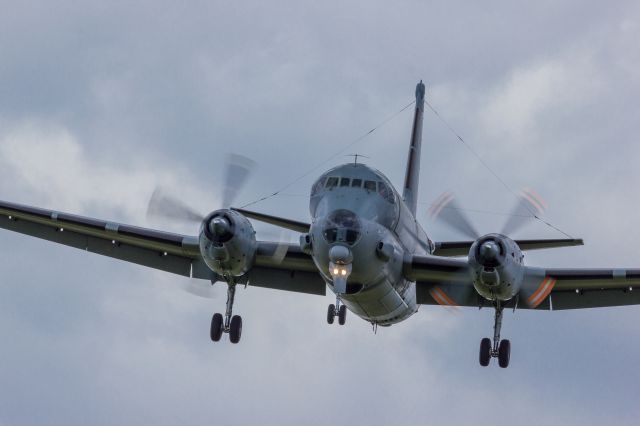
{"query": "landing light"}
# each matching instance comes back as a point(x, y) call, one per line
point(339, 271)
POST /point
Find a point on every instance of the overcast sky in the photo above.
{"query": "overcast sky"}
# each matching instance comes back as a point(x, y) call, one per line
point(101, 102)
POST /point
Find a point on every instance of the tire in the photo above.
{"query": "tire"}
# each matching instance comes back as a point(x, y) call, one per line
point(504, 353)
point(342, 315)
point(216, 327)
point(331, 313)
point(235, 329)
point(485, 351)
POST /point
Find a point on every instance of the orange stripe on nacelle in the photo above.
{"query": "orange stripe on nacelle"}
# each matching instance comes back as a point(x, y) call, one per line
point(541, 292)
point(441, 297)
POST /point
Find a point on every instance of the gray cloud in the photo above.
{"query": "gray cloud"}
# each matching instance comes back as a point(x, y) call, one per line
point(99, 103)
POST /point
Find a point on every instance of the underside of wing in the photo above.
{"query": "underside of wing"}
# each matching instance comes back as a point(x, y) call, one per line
point(278, 266)
point(594, 288)
point(156, 249)
point(442, 281)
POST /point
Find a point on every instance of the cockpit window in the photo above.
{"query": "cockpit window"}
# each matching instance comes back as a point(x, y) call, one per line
point(385, 192)
point(331, 182)
point(343, 226)
point(370, 185)
point(356, 183)
point(345, 182)
point(317, 187)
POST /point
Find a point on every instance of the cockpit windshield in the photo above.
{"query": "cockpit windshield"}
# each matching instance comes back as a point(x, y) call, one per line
point(371, 186)
point(342, 226)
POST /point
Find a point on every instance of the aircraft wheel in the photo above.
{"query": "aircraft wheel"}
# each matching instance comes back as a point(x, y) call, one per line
point(216, 327)
point(504, 353)
point(235, 329)
point(331, 313)
point(485, 351)
point(342, 315)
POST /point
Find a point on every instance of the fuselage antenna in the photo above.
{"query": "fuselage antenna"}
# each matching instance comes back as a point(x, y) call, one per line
point(355, 157)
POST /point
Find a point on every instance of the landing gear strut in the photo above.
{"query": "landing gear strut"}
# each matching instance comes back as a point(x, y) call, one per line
point(499, 349)
point(231, 324)
point(338, 310)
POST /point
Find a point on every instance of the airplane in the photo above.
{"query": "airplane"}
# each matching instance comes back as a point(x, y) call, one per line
point(363, 243)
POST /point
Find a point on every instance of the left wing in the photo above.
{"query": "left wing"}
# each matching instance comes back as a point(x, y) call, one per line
point(278, 266)
point(447, 282)
point(591, 288)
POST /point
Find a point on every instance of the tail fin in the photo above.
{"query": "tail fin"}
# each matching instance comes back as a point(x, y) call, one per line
point(412, 177)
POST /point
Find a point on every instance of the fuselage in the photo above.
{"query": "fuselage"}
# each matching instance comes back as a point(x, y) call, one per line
point(356, 207)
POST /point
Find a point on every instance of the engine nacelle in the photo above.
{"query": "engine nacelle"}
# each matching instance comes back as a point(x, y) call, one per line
point(497, 266)
point(228, 243)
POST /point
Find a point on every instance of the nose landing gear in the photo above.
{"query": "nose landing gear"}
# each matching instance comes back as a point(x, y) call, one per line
point(499, 349)
point(338, 310)
point(231, 324)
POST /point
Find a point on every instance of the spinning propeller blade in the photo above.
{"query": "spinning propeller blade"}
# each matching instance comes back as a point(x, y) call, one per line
point(202, 288)
point(446, 210)
point(238, 169)
point(529, 205)
point(163, 205)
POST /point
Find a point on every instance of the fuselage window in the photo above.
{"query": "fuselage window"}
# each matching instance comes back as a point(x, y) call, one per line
point(370, 185)
point(356, 183)
point(331, 182)
point(345, 182)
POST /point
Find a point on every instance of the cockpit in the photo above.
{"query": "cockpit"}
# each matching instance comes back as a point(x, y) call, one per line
point(371, 186)
point(354, 188)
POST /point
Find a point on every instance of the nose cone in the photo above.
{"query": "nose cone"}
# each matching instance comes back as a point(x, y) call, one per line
point(489, 251)
point(219, 226)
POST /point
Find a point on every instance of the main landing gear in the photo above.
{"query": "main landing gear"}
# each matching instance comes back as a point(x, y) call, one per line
point(231, 324)
point(338, 310)
point(499, 349)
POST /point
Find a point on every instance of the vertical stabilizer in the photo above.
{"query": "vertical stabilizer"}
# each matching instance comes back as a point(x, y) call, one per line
point(412, 177)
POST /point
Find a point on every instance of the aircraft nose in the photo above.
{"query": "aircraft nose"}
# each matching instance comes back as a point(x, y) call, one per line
point(340, 266)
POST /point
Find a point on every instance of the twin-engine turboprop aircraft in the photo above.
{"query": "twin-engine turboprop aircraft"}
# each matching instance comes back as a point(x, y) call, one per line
point(363, 243)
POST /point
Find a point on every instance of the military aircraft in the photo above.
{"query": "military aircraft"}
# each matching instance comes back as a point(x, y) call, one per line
point(363, 243)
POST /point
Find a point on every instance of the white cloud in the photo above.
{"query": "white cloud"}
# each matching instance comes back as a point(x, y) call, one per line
point(51, 165)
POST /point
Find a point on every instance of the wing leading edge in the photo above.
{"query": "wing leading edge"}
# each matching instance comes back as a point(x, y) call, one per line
point(461, 248)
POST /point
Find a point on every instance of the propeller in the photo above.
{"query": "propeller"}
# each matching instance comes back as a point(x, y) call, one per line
point(446, 209)
point(237, 171)
point(202, 288)
point(529, 206)
point(453, 216)
point(165, 206)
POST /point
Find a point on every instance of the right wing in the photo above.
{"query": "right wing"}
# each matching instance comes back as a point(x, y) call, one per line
point(278, 266)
